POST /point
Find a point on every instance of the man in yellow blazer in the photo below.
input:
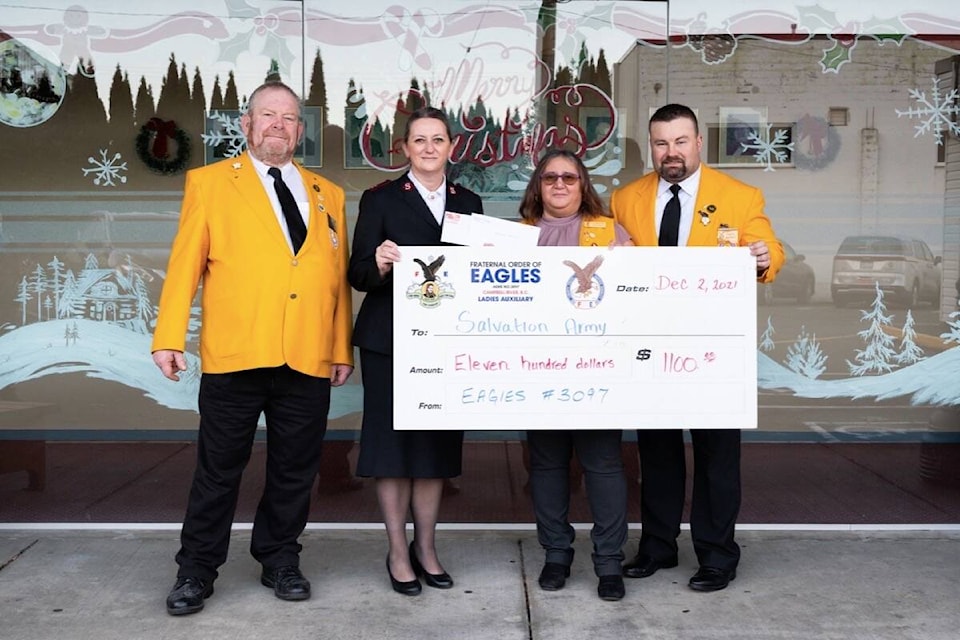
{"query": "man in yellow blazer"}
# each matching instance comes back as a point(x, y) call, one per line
point(685, 203)
point(268, 241)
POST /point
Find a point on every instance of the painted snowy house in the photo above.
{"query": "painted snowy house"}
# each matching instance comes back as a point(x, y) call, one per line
point(101, 294)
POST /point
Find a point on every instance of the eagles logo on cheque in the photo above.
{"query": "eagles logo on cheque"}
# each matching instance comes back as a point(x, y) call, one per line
point(430, 288)
point(585, 288)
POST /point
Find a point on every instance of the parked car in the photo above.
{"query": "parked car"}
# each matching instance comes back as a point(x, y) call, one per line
point(795, 279)
point(905, 269)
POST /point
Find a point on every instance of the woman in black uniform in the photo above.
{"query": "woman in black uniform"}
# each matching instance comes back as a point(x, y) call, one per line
point(410, 466)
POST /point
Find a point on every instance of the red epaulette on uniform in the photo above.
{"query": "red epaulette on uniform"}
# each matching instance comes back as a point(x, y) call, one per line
point(380, 186)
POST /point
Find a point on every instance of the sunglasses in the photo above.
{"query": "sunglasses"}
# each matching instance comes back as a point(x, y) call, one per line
point(569, 179)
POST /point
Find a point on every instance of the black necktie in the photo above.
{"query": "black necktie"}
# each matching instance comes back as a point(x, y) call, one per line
point(298, 230)
point(670, 222)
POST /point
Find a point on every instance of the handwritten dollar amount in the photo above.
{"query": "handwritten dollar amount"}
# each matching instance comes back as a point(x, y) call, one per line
point(678, 363)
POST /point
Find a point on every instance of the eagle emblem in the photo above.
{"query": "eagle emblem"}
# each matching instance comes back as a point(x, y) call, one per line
point(585, 288)
point(429, 288)
point(584, 275)
point(430, 270)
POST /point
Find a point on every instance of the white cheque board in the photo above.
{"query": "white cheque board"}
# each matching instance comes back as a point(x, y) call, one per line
point(574, 338)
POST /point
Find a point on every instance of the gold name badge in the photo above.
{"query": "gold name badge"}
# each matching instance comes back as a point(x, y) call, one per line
point(727, 237)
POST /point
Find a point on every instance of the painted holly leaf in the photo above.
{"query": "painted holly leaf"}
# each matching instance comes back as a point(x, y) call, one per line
point(241, 9)
point(709, 356)
point(835, 57)
point(815, 18)
point(275, 47)
point(232, 48)
point(885, 29)
point(897, 38)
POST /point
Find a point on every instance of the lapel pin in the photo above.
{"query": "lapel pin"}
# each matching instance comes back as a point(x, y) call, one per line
point(705, 215)
point(237, 165)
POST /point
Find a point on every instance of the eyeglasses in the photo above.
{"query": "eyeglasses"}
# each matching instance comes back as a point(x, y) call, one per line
point(569, 179)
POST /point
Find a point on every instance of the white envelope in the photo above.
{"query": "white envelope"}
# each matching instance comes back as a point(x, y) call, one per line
point(487, 231)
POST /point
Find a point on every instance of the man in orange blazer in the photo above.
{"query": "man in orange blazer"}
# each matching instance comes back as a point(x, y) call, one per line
point(268, 240)
point(683, 202)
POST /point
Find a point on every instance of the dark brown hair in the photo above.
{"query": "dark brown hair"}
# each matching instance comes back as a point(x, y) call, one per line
point(670, 112)
point(427, 112)
point(531, 206)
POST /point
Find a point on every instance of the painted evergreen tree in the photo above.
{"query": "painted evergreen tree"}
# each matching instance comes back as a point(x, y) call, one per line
point(47, 305)
point(23, 297)
point(90, 263)
point(766, 339)
point(953, 335)
point(805, 356)
point(68, 295)
point(145, 308)
point(910, 351)
point(878, 356)
point(56, 283)
point(38, 285)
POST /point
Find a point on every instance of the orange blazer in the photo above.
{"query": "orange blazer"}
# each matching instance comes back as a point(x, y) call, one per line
point(731, 202)
point(261, 305)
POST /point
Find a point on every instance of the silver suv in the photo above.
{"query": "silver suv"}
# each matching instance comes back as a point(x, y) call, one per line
point(903, 267)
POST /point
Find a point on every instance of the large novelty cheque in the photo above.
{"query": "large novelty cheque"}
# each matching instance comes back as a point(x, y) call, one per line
point(574, 338)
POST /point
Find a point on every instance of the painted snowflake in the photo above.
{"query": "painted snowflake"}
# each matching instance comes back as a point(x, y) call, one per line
point(106, 170)
point(769, 150)
point(224, 133)
point(937, 114)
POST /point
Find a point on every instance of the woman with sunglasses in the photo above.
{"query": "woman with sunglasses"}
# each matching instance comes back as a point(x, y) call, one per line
point(561, 201)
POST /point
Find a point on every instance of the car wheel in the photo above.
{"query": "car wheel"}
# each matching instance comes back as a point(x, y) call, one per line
point(806, 294)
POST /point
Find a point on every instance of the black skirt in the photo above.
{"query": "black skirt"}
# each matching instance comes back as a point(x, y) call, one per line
point(385, 453)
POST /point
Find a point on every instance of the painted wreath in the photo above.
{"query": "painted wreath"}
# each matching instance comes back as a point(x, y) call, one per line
point(156, 155)
point(824, 143)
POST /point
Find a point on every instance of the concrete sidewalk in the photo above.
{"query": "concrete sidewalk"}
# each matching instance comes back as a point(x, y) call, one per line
point(74, 585)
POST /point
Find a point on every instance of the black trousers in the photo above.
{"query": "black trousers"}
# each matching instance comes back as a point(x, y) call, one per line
point(295, 406)
point(600, 456)
point(716, 493)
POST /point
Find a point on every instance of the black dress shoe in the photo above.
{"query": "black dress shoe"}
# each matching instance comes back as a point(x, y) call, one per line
point(712, 579)
point(553, 576)
point(435, 580)
point(610, 588)
point(409, 588)
point(644, 566)
point(188, 594)
point(287, 583)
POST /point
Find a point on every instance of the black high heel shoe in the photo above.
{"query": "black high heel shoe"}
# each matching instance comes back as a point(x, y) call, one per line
point(435, 580)
point(411, 588)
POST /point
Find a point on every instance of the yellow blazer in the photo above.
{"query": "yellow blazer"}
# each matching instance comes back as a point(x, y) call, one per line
point(725, 200)
point(261, 305)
